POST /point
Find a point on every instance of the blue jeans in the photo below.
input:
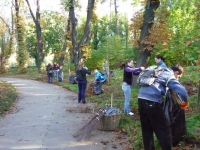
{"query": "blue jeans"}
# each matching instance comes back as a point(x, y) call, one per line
point(56, 74)
point(127, 94)
point(82, 84)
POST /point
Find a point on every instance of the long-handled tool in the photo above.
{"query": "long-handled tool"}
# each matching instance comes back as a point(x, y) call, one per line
point(85, 132)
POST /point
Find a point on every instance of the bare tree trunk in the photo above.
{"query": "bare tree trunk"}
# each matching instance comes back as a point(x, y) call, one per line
point(116, 17)
point(74, 33)
point(149, 14)
point(85, 37)
point(36, 20)
point(62, 57)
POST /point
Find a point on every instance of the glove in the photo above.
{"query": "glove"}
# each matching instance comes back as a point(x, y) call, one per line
point(184, 105)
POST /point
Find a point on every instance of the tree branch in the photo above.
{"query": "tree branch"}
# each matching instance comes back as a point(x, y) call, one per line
point(31, 11)
point(87, 26)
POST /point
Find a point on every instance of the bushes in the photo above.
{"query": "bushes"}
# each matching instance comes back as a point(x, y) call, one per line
point(7, 96)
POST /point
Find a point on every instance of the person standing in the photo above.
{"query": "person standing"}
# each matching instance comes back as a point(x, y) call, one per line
point(152, 115)
point(49, 70)
point(129, 71)
point(175, 112)
point(82, 81)
point(160, 61)
point(105, 68)
point(56, 70)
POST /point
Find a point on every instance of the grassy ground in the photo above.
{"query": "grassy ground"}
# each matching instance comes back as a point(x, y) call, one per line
point(128, 124)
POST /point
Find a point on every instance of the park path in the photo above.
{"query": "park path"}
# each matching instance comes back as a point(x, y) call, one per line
point(39, 120)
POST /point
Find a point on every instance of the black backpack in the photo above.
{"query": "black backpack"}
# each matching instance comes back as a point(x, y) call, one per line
point(149, 75)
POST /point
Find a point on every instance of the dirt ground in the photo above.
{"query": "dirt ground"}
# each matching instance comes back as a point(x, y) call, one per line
point(46, 116)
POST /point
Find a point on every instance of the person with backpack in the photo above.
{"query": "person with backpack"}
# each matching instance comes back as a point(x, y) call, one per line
point(82, 81)
point(152, 115)
point(49, 70)
point(174, 109)
point(160, 61)
point(129, 71)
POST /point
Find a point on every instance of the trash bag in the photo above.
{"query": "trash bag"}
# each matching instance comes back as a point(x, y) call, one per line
point(72, 79)
point(176, 118)
point(97, 87)
point(112, 111)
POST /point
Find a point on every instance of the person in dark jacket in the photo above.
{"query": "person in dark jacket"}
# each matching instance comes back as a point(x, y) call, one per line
point(175, 110)
point(129, 71)
point(152, 116)
point(49, 70)
point(82, 81)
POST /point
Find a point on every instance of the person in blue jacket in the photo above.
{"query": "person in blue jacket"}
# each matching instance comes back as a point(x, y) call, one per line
point(99, 76)
point(160, 61)
point(152, 116)
point(129, 71)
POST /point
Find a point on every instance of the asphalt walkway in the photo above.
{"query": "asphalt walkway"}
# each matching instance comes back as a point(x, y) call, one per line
point(41, 120)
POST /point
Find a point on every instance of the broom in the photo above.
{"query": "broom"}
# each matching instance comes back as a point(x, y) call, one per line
point(85, 132)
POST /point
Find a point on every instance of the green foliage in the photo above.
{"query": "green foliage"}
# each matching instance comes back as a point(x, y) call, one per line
point(192, 73)
point(67, 4)
point(96, 61)
point(193, 125)
point(114, 49)
point(22, 53)
point(183, 46)
point(8, 95)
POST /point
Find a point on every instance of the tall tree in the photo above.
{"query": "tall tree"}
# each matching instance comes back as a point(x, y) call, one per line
point(22, 53)
point(40, 57)
point(116, 17)
point(85, 38)
point(145, 49)
point(8, 49)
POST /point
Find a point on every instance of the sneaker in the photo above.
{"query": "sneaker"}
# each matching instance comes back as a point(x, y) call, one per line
point(131, 114)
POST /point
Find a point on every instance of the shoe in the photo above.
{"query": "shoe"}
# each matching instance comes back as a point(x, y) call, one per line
point(131, 114)
point(84, 102)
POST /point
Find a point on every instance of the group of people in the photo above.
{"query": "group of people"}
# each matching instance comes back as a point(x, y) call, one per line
point(150, 102)
point(54, 71)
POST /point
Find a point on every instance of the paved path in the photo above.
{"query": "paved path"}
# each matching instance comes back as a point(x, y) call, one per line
point(40, 120)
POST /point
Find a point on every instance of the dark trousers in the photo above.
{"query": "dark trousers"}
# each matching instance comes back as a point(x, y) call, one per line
point(82, 84)
point(50, 77)
point(153, 120)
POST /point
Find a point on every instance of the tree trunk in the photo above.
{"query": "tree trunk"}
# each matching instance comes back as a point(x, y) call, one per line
point(149, 14)
point(62, 57)
point(22, 56)
point(85, 37)
point(143, 52)
point(36, 20)
point(74, 33)
point(116, 17)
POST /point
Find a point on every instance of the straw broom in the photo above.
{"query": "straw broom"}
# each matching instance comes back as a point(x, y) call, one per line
point(85, 132)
